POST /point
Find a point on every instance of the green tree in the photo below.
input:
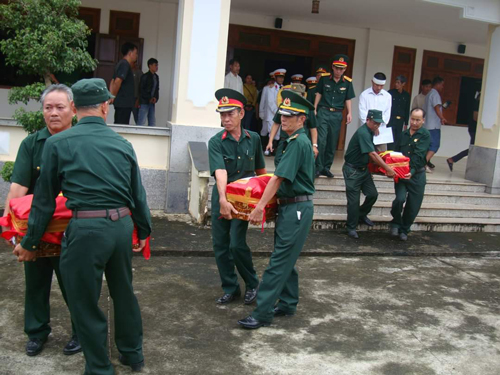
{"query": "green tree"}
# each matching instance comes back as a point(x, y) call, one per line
point(43, 37)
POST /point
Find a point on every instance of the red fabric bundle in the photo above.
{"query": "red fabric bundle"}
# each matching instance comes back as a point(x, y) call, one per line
point(396, 160)
point(244, 194)
point(20, 209)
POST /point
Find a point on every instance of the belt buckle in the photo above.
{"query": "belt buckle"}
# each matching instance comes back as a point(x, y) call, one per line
point(398, 117)
point(332, 109)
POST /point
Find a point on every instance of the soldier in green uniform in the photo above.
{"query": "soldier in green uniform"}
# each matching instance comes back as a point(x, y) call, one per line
point(332, 94)
point(97, 171)
point(234, 153)
point(312, 82)
point(414, 143)
point(356, 175)
point(293, 182)
point(58, 112)
point(400, 110)
point(309, 128)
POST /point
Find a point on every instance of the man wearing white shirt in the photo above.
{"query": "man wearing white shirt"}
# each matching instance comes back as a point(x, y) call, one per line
point(269, 105)
point(376, 97)
point(233, 80)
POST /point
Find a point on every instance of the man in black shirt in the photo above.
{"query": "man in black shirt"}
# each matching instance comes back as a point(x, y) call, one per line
point(149, 94)
point(122, 85)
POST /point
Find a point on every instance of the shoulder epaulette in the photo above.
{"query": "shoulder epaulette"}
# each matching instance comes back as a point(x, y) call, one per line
point(348, 78)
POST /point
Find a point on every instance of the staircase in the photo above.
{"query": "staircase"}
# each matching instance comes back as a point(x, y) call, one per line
point(448, 206)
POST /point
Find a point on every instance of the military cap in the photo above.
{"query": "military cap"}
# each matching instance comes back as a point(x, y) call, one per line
point(298, 88)
point(340, 61)
point(294, 104)
point(229, 99)
point(311, 80)
point(272, 73)
point(320, 70)
point(280, 72)
point(91, 91)
point(297, 77)
point(375, 115)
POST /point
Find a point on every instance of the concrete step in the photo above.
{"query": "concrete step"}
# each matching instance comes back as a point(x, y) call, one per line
point(449, 197)
point(382, 182)
point(338, 207)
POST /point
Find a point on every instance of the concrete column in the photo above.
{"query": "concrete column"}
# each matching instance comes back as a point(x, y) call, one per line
point(202, 32)
point(483, 164)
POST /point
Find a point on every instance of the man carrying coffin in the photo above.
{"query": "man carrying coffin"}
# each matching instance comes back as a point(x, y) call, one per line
point(414, 143)
point(58, 111)
point(356, 174)
point(293, 183)
point(233, 153)
point(97, 171)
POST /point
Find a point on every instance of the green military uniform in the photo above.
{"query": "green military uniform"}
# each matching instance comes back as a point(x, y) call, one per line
point(308, 125)
point(400, 114)
point(38, 275)
point(356, 175)
point(411, 191)
point(96, 169)
point(330, 107)
point(240, 159)
point(281, 280)
point(311, 94)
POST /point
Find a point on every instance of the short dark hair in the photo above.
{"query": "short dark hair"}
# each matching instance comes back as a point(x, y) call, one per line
point(401, 78)
point(437, 80)
point(380, 76)
point(418, 109)
point(152, 61)
point(127, 47)
point(232, 61)
point(426, 82)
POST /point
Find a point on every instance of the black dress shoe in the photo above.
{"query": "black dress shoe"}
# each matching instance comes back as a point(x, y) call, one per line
point(136, 367)
point(226, 298)
point(403, 237)
point(430, 165)
point(34, 346)
point(73, 346)
point(367, 221)
point(251, 323)
point(327, 173)
point(279, 312)
point(353, 234)
point(250, 296)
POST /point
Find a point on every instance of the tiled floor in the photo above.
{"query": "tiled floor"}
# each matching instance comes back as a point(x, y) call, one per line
point(440, 173)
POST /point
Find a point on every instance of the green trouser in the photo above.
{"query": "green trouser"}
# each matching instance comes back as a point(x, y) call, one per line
point(90, 248)
point(357, 180)
point(412, 191)
point(329, 125)
point(281, 280)
point(397, 129)
point(229, 239)
point(38, 276)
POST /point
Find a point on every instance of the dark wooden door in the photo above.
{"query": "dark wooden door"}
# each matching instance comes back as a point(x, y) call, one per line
point(403, 63)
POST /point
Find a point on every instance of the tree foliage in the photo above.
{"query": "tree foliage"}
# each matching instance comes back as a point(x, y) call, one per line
point(43, 37)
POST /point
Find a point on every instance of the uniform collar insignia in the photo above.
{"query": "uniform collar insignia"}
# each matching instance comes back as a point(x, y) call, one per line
point(224, 135)
point(293, 137)
point(247, 134)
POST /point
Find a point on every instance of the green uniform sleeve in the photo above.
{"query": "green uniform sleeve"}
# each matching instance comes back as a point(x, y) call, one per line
point(260, 162)
point(418, 157)
point(320, 86)
point(350, 92)
point(290, 162)
point(311, 117)
point(140, 212)
point(215, 157)
point(365, 143)
point(47, 188)
point(23, 165)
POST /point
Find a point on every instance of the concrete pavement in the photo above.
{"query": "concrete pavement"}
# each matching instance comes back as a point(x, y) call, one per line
point(382, 314)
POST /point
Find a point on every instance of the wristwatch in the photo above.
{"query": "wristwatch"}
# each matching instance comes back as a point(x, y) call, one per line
point(315, 145)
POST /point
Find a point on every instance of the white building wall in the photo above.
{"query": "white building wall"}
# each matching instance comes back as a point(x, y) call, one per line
point(158, 28)
point(374, 52)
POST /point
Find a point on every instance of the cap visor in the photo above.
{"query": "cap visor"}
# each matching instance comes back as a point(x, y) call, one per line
point(287, 112)
point(225, 109)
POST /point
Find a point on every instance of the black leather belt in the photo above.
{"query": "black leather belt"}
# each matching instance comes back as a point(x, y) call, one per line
point(299, 198)
point(420, 170)
point(331, 109)
point(354, 167)
point(114, 214)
